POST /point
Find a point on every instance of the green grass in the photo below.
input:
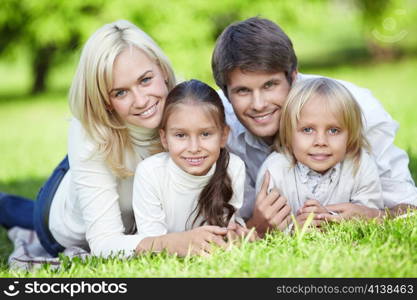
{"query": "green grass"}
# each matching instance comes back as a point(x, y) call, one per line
point(350, 249)
point(33, 140)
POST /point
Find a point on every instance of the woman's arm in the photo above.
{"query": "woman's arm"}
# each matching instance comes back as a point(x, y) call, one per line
point(97, 192)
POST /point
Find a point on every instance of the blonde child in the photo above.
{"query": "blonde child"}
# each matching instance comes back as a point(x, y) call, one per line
point(322, 156)
point(197, 186)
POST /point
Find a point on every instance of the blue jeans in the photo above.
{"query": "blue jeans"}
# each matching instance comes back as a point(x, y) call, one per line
point(22, 212)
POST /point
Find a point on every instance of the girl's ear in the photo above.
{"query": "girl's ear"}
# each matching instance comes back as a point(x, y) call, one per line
point(163, 137)
point(225, 135)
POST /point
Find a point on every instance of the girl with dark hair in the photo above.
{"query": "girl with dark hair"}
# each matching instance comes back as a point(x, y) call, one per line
point(184, 198)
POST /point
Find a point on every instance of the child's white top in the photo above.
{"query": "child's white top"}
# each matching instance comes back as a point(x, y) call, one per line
point(92, 208)
point(164, 196)
point(364, 188)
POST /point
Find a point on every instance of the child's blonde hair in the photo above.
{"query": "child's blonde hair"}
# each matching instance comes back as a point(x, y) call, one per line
point(337, 99)
point(89, 93)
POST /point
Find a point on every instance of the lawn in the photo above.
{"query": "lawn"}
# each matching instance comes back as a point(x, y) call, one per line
point(33, 140)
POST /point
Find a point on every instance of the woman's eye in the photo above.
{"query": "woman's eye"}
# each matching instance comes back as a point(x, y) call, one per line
point(120, 93)
point(307, 130)
point(180, 135)
point(145, 80)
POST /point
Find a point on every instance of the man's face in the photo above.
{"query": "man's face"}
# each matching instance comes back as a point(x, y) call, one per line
point(257, 99)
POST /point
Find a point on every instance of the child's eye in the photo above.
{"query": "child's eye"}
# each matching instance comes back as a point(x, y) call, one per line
point(307, 130)
point(206, 134)
point(180, 135)
point(334, 131)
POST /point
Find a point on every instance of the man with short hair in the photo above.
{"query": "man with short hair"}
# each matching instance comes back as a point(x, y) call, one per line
point(254, 64)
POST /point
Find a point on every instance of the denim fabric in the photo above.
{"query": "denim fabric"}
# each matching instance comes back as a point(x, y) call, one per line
point(19, 211)
point(43, 206)
point(16, 211)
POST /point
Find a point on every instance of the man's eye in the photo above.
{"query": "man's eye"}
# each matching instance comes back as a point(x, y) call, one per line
point(269, 84)
point(242, 91)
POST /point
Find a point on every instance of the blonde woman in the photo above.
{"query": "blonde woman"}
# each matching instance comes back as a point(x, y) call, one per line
point(117, 98)
point(323, 155)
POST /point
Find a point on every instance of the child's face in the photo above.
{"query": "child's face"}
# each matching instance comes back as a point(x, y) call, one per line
point(139, 90)
point(319, 141)
point(193, 139)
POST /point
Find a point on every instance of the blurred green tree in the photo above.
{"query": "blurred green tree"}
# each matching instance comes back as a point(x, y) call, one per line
point(50, 29)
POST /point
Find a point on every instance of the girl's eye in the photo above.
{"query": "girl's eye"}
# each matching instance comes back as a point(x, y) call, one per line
point(307, 130)
point(334, 131)
point(206, 134)
point(120, 93)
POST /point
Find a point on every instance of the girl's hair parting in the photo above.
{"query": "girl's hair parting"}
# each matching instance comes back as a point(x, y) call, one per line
point(89, 93)
point(213, 203)
point(340, 102)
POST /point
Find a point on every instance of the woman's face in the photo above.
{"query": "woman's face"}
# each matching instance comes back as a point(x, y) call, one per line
point(138, 89)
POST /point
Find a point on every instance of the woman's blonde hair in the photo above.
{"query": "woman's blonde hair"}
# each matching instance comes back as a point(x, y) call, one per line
point(89, 93)
point(337, 99)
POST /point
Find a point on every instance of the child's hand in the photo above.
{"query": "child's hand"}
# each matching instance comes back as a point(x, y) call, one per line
point(311, 206)
point(348, 211)
point(236, 232)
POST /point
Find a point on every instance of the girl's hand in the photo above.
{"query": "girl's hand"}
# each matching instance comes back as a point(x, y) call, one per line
point(198, 241)
point(236, 232)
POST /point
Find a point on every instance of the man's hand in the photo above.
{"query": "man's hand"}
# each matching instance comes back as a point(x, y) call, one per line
point(271, 210)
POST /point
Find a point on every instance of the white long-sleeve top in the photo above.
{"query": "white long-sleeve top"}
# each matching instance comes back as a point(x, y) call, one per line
point(165, 196)
point(380, 129)
point(92, 208)
point(362, 187)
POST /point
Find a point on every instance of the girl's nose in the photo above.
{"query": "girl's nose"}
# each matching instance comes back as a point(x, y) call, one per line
point(194, 145)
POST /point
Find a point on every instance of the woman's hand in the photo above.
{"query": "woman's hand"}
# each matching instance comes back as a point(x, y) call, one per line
point(198, 241)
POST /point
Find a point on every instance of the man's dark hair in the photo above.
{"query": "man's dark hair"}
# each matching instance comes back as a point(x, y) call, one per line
point(253, 45)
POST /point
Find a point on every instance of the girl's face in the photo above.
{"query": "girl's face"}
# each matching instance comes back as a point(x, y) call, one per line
point(138, 90)
point(193, 138)
point(319, 141)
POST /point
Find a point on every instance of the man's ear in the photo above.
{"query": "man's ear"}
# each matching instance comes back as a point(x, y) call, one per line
point(163, 137)
point(225, 135)
point(294, 75)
